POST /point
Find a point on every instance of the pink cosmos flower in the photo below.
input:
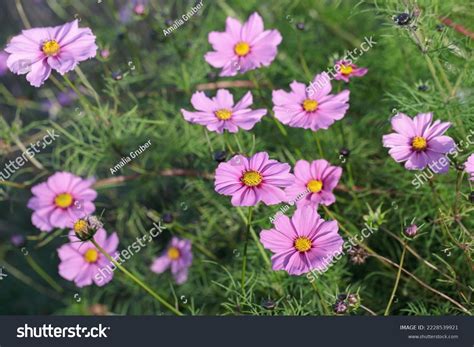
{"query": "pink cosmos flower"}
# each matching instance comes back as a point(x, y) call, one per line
point(61, 200)
point(348, 70)
point(304, 243)
point(419, 143)
point(37, 51)
point(314, 183)
point(82, 263)
point(250, 180)
point(470, 166)
point(219, 113)
point(178, 256)
point(242, 47)
point(310, 107)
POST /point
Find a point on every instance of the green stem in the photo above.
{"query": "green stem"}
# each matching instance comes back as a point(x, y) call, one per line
point(326, 310)
point(397, 280)
point(81, 97)
point(435, 77)
point(136, 280)
point(22, 14)
point(318, 143)
point(39, 270)
point(244, 262)
point(458, 195)
point(87, 84)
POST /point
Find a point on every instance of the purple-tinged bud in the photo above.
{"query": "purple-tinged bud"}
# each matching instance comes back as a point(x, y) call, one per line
point(18, 240)
point(411, 230)
point(340, 307)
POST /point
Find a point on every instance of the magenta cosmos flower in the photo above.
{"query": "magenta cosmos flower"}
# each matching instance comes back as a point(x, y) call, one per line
point(37, 51)
point(178, 256)
point(61, 200)
point(311, 107)
point(82, 263)
point(314, 183)
point(219, 113)
point(242, 47)
point(348, 70)
point(250, 180)
point(419, 143)
point(469, 166)
point(304, 243)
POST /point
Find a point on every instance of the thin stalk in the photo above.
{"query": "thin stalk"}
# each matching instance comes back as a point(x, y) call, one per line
point(81, 97)
point(397, 280)
point(87, 84)
point(368, 310)
point(22, 14)
point(13, 184)
point(435, 77)
point(444, 76)
point(326, 310)
point(29, 282)
point(318, 143)
point(244, 261)
point(208, 141)
point(39, 270)
point(254, 235)
point(458, 194)
point(136, 280)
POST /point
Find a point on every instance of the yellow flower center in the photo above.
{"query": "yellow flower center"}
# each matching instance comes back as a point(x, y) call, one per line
point(310, 105)
point(91, 255)
point(223, 114)
point(314, 186)
point(173, 253)
point(80, 227)
point(303, 244)
point(252, 178)
point(242, 49)
point(346, 69)
point(51, 47)
point(63, 200)
point(418, 143)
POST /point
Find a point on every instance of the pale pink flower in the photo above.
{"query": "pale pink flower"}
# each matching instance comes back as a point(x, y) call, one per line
point(82, 263)
point(311, 107)
point(419, 143)
point(61, 200)
point(220, 113)
point(178, 257)
point(254, 179)
point(36, 51)
point(304, 243)
point(314, 183)
point(348, 70)
point(242, 47)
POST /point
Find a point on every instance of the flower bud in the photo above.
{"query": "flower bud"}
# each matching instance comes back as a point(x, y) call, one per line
point(340, 307)
point(411, 230)
point(18, 240)
point(85, 228)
